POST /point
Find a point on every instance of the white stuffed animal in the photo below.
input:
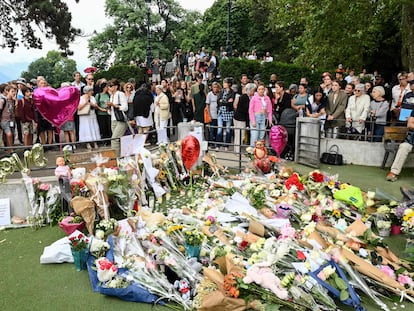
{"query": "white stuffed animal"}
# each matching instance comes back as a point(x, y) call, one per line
point(262, 274)
point(183, 287)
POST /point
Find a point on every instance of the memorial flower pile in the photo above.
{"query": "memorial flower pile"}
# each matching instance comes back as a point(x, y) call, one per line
point(280, 239)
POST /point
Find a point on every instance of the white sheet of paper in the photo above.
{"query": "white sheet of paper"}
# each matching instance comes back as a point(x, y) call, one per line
point(5, 212)
point(238, 204)
point(130, 144)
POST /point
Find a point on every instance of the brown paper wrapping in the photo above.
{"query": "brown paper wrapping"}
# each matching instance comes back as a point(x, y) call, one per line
point(248, 237)
point(86, 208)
point(256, 228)
point(217, 300)
point(218, 234)
point(151, 219)
point(374, 273)
point(357, 228)
point(318, 238)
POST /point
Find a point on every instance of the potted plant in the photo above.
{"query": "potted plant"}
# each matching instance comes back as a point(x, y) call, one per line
point(396, 216)
point(72, 223)
point(383, 220)
point(193, 240)
point(79, 245)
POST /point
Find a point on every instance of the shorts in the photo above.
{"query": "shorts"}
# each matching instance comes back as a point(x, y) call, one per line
point(156, 77)
point(5, 125)
point(27, 128)
point(68, 126)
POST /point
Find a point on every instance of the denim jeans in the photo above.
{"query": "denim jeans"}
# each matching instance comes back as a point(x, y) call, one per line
point(258, 132)
point(220, 124)
point(212, 131)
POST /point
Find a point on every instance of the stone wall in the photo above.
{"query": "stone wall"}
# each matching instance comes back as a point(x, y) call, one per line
point(362, 152)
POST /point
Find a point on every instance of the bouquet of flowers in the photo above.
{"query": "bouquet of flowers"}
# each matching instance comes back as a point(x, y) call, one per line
point(106, 270)
point(193, 237)
point(105, 227)
point(408, 220)
point(78, 242)
point(79, 188)
point(98, 247)
point(397, 214)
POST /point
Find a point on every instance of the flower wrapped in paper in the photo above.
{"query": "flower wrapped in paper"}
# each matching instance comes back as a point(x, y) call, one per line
point(86, 208)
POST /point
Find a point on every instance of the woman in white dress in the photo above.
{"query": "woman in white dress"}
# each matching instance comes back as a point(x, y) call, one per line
point(88, 123)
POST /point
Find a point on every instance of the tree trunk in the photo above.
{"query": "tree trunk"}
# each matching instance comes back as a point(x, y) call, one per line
point(407, 35)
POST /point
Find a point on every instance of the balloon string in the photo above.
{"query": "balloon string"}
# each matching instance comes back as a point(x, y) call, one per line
point(191, 186)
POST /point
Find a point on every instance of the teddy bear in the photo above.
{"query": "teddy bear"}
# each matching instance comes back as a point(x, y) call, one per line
point(262, 274)
point(261, 160)
point(183, 287)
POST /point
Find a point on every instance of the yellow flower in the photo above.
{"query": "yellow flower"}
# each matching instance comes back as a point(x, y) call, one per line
point(336, 213)
point(408, 217)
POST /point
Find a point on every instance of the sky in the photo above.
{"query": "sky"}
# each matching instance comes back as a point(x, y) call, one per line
point(88, 15)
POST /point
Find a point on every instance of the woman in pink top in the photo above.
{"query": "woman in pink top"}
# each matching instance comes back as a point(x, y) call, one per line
point(260, 108)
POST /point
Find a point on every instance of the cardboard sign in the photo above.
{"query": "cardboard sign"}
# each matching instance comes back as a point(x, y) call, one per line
point(5, 212)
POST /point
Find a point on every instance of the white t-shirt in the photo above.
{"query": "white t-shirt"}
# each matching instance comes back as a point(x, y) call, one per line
point(212, 101)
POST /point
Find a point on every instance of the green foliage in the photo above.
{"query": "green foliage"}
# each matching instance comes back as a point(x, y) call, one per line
point(54, 67)
point(289, 73)
point(51, 17)
point(126, 38)
point(122, 73)
point(325, 33)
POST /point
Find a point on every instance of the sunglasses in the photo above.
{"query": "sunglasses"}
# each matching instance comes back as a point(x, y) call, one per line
point(89, 79)
point(358, 91)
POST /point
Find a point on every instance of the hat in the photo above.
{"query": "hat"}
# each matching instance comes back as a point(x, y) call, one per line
point(339, 70)
point(87, 89)
point(21, 81)
point(33, 81)
point(257, 77)
point(411, 81)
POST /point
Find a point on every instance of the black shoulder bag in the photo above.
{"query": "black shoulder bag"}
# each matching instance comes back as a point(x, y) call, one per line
point(332, 157)
point(119, 114)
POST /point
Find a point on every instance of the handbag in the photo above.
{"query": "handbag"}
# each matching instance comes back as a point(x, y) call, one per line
point(332, 157)
point(85, 110)
point(207, 117)
point(120, 115)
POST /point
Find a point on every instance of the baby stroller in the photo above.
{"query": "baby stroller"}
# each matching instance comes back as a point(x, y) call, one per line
point(288, 120)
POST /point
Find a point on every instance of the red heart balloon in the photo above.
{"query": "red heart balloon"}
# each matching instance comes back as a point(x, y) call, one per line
point(190, 151)
point(57, 106)
point(278, 138)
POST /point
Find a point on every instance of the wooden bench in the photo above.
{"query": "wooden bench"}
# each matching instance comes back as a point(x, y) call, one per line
point(84, 159)
point(393, 137)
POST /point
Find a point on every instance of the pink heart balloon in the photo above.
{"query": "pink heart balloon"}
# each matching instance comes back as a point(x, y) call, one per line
point(278, 138)
point(56, 106)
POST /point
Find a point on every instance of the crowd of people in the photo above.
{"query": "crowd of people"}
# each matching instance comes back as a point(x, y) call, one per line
point(238, 110)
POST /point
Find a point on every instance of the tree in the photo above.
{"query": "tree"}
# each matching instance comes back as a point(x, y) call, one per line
point(54, 67)
point(407, 33)
point(50, 16)
point(126, 39)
